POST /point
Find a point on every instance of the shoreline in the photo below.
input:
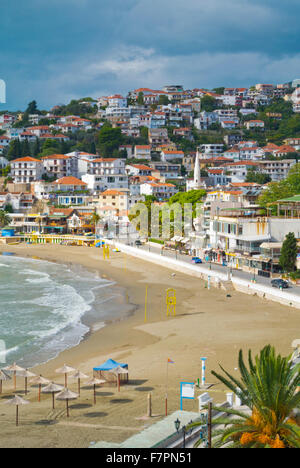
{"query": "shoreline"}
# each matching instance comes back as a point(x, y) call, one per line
point(89, 322)
point(207, 323)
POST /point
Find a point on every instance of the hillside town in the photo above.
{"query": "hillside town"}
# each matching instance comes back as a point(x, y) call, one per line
point(81, 168)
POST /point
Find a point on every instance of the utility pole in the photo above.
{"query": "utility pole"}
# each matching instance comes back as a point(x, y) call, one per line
point(209, 445)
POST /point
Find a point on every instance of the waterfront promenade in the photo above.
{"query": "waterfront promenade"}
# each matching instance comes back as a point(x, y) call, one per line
point(214, 274)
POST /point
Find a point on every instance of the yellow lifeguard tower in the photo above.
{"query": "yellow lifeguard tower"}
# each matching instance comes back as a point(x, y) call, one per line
point(171, 302)
point(105, 252)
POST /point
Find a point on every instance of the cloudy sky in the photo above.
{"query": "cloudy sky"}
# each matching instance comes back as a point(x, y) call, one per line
point(56, 50)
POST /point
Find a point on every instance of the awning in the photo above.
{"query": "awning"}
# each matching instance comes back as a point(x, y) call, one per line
point(254, 238)
point(109, 365)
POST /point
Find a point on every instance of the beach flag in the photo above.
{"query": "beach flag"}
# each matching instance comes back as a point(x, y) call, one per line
point(170, 361)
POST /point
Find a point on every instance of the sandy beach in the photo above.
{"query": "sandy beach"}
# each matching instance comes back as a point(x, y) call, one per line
point(207, 323)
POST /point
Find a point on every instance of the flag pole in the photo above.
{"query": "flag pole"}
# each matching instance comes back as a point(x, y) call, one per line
point(167, 388)
point(146, 303)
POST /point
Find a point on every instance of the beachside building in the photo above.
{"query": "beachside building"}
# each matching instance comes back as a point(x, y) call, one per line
point(116, 202)
point(239, 230)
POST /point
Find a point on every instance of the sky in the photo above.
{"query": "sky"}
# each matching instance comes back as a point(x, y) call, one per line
point(58, 50)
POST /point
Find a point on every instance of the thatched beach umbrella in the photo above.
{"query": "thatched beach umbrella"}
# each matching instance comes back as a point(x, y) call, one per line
point(14, 368)
point(65, 370)
point(17, 401)
point(67, 395)
point(3, 377)
point(27, 375)
point(79, 376)
point(40, 381)
point(52, 388)
point(118, 371)
point(93, 383)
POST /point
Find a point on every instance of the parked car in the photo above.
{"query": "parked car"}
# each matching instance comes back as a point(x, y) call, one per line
point(280, 284)
point(138, 243)
point(196, 260)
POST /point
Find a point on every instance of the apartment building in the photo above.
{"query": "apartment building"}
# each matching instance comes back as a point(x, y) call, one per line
point(277, 170)
point(26, 170)
point(142, 152)
point(160, 190)
point(60, 165)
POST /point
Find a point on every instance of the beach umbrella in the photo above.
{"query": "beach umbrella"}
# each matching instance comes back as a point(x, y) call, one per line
point(27, 375)
point(3, 377)
point(17, 401)
point(118, 371)
point(14, 368)
point(79, 376)
point(40, 381)
point(65, 370)
point(67, 395)
point(92, 383)
point(52, 388)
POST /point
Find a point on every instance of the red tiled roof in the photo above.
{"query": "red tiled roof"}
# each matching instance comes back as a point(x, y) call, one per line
point(26, 159)
point(69, 181)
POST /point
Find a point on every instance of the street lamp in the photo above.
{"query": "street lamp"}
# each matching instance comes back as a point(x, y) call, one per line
point(177, 424)
point(185, 431)
point(204, 429)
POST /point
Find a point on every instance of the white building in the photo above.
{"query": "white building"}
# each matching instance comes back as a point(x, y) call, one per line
point(26, 170)
point(3, 162)
point(170, 155)
point(212, 148)
point(277, 170)
point(117, 101)
point(60, 165)
point(142, 152)
point(160, 190)
point(255, 124)
point(105, 182)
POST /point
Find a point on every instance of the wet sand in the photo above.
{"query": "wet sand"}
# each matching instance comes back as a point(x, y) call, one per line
point(207, 323)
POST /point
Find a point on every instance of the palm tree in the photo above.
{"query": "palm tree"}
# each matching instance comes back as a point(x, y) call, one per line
point(269, 389)
point(4, 219)
point(95, 218)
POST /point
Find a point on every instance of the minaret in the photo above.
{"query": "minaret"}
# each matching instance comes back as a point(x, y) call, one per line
point(197, 172)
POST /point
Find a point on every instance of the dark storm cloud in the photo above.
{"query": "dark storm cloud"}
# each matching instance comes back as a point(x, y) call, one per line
point(53, 51)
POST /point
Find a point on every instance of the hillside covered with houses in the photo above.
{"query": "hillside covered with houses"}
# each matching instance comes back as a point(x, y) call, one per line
point(238, 148)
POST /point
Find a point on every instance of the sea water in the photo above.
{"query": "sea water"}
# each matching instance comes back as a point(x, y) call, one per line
point(46, 308)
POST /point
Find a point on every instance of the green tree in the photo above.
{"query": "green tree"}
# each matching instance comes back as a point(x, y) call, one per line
point(36, 147)
point(268, 388)
point(283, 189)
point(32, 108)
point(15, 150)
point(140, 99)
point(208, 103)
point(163, 100)
point(109, 139)
point(257, 177)
point(95, 219)
point(289, 253)
point(4, 219)
point(25, 148)
point(219, 90)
